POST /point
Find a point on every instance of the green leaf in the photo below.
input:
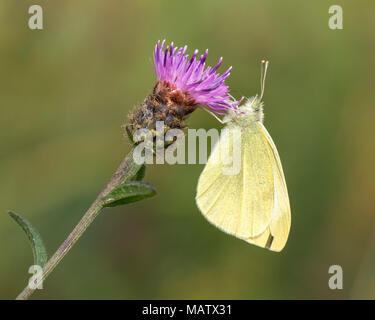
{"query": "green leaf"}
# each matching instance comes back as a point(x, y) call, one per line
point(140, 174)
point(39, 250)
point(128, 192)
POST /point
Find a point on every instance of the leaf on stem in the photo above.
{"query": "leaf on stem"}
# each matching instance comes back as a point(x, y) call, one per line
point(128, 192)
point(37, 245)
point(140, 174)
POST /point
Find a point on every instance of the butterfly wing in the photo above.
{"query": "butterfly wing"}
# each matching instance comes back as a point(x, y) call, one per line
point(276, 236)
point(239, 204)
point(254, 204)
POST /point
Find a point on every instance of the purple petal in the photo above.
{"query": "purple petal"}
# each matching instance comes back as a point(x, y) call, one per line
point(203, 84)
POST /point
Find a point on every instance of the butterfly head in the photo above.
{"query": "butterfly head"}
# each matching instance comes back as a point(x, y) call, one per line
point(252, 109)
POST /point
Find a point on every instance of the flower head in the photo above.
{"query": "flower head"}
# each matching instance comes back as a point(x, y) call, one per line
point(182, 86)
point(190, 77)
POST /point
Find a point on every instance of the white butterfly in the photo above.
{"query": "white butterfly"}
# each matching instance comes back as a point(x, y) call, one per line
point(252, 205)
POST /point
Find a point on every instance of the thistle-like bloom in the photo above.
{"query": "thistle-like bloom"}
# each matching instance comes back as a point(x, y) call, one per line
point(203, 85)
point(182, 86)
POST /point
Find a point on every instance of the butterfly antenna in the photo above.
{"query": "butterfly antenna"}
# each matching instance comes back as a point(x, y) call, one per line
point(214, 115)
point(263, 72)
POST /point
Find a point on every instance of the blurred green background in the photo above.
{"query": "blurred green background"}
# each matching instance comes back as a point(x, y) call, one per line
point(65, 91)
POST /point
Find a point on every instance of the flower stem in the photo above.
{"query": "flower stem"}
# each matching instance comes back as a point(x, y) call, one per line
point(127, 169)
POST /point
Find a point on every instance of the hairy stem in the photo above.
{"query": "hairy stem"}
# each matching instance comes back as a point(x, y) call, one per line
point(127, 169)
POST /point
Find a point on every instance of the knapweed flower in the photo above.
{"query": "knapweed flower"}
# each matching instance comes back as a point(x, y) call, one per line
point(182, 86)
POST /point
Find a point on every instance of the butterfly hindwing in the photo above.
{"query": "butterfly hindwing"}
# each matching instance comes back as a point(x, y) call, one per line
point(281, 216)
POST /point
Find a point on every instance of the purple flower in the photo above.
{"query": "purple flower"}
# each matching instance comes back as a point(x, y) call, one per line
point(204, 86)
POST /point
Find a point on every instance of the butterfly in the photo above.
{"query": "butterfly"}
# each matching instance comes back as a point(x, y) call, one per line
point(252, 204)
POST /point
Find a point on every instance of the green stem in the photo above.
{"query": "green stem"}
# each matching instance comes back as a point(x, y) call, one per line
point(127, 169)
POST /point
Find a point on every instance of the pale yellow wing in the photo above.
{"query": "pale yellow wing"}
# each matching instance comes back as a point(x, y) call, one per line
point(276, 236)
point(240, 204)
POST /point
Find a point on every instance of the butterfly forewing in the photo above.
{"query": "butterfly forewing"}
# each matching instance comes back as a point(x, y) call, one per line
point(239, 204)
